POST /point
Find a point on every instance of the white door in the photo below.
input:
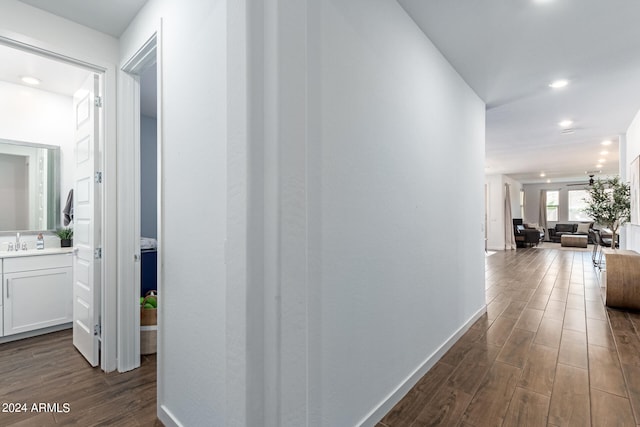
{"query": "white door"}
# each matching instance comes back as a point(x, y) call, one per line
point(86, 223)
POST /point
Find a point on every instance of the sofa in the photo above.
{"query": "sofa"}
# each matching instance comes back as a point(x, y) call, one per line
point(579, 229)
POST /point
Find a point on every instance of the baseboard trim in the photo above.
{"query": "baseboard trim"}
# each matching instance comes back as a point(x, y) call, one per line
point(35, 332)
point(167, 417)
point(394, 397)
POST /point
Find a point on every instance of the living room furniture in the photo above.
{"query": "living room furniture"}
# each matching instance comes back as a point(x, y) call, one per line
point(524, 236)
point(573, 240)
point(622, 279)
point(580, 229)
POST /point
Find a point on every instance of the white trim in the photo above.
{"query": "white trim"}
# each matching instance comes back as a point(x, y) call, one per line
point(403, 388)
point(167, 417)
point(129, 202)
point(160, 207)
point(10, 39)
point(128, 139)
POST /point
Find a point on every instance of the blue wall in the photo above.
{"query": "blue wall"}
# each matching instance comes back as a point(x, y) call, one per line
point(148, 177)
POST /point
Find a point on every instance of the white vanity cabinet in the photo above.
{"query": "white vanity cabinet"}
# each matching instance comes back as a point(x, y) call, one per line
point(37, 292)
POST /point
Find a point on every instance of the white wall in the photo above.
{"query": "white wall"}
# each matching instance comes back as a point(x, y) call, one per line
point(381, 169)
point(37, 116)
point(362, 120)
point(495, 193)
point(632, 233)
point(192, 350)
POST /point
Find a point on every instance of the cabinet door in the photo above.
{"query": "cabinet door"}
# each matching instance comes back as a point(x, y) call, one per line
point(37, 299)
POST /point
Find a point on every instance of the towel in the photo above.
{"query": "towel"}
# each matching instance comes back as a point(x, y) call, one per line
point(68, 209)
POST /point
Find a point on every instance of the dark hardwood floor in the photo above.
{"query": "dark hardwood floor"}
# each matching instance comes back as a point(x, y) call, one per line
point(49, 370)
point(546, 353)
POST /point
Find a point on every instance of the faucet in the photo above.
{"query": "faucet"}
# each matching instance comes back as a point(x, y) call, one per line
point(17, 248)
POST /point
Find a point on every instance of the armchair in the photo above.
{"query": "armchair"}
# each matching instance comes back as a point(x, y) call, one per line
point(525, 236)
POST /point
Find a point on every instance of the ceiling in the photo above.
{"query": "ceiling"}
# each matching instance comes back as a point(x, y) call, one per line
point(54, 76)
point(107, 16)
point(111, 17)
point(508, 52)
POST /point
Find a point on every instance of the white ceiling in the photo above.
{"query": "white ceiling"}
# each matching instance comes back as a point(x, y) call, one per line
point(54, 76)
point(111, 17)
point(108, 16)
point(509, 51)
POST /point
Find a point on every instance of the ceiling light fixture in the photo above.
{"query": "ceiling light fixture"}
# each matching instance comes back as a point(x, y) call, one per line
point(598, 166)
point(606, 142)
point(604, 152)
point(30, 80)
point(542, 174)
point(565, 123)
point(548, 181)
point(602, 160)
point(558, 84)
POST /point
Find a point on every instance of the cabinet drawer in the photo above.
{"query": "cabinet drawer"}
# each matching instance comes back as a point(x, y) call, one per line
point(39, 262)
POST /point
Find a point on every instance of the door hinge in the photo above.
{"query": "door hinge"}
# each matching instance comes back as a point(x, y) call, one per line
point(97, 253)
point(97, 101)
point(98, 178)
point(97, 330)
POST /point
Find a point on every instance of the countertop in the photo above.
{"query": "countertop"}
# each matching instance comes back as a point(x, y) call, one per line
point(35, 252)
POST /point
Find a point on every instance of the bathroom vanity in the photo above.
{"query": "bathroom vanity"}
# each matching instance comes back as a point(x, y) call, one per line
point(37, 292)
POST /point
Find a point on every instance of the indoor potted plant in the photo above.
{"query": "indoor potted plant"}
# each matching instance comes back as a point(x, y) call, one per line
point(609, 203)
point(66, 237)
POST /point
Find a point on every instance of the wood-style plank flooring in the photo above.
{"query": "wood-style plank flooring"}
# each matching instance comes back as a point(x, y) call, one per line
point(49, 370)
point(546, 353)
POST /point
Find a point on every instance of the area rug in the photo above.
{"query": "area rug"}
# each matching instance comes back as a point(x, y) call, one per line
point(551, 245)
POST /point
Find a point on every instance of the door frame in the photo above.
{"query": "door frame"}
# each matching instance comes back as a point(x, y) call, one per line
point(107, 147)
point(129, 200)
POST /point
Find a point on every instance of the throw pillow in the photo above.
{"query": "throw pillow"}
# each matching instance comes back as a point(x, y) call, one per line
point(583, 228)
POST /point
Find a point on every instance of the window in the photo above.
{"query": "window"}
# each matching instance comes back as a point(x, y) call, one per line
point(577, 204)
point(553, 198)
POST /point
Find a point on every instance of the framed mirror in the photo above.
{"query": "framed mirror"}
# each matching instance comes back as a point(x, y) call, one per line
point(29, 186)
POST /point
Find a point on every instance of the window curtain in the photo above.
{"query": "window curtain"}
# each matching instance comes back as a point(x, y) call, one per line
point(509, 238)
point(542, 220)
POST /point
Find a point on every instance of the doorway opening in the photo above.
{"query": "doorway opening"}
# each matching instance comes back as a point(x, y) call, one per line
point(61, 106)
point(140, 239)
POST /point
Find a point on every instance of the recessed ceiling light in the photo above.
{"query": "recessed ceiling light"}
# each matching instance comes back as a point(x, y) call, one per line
point(548, 181)
point(604, 152)
point(542, 174)
point(30, 80)
point(565, 123)
point(602, 160)
point(558, 84)
point(606, 142)
point(598, 166)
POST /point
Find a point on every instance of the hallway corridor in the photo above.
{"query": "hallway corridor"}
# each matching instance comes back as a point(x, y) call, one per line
point(547, 353)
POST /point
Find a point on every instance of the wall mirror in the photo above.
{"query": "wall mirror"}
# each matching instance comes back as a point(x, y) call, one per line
point(29, 186)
